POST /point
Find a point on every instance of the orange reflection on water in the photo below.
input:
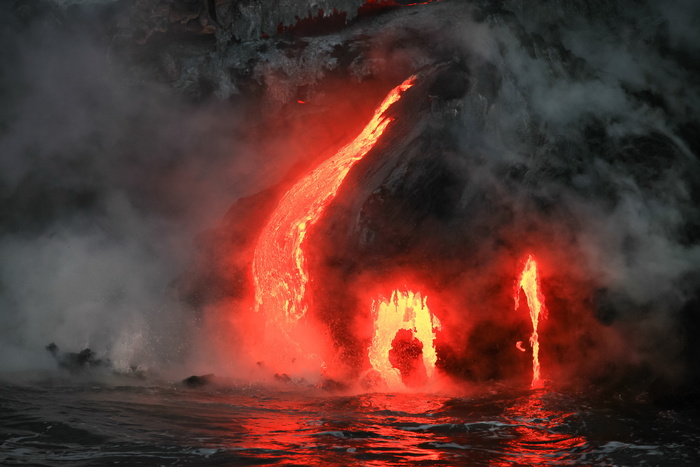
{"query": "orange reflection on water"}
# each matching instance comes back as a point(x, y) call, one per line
point(358, 430)
point(495, 429)
point(540, 437)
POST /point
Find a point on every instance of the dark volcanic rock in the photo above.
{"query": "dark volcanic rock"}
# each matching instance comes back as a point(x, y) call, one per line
point(195, 381)
point(77, 362)
point(242, 20)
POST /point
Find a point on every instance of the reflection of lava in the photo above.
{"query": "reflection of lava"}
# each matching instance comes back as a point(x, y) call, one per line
point(279, 263)
point(404, 329)
point(540, 439)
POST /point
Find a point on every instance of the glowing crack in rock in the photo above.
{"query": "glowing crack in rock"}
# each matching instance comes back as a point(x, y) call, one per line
point(529, 282)
point(279, 265)
point(404, 311)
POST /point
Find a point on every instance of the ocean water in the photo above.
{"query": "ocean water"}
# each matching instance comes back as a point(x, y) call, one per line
point(168, 424)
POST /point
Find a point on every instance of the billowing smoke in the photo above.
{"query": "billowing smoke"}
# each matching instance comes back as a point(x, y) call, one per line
point(83, 259)
point(106, 177)
point(592, 117)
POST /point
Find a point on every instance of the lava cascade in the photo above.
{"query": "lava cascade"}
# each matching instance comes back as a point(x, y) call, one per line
point(404, 311)
point(529, 282)
point(279, 265)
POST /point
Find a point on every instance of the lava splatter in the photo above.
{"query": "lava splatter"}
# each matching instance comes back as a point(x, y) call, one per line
point(529, 282)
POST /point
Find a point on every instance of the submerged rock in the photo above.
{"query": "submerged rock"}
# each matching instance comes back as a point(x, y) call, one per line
point(77, 362)
point(195, 381)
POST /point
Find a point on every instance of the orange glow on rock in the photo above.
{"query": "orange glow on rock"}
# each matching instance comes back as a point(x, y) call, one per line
point(279, 264)
point(529, 282)
point(370, 5)
point(404, 311)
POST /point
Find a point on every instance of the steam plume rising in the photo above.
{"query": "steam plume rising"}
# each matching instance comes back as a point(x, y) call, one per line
point(105, 179)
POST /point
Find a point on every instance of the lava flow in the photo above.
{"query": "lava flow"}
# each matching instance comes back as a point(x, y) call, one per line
point(530, 284)
point(404, 311)
point(279, 264)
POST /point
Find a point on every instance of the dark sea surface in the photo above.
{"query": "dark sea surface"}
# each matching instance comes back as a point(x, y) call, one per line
point(97, 424)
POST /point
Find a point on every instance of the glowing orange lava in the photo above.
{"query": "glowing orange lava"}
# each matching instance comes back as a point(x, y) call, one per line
point(530, 283)
point(279, 265)
point(404, 311)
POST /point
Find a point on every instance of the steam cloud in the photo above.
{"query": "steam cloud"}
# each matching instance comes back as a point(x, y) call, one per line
point(595, 102)
point(104, 182)
point(579, 117)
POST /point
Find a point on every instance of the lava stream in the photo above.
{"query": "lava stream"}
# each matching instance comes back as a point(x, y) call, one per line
point(404, 311)
point(279, 265)
point(530, 283)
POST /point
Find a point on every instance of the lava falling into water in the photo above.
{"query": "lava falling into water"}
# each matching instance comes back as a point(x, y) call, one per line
point(279, 265)
point(530, 283)
point(408, 311)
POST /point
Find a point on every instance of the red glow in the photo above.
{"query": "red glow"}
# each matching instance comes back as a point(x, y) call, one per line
point(529, 282)
point(374, 5)
point(279, 264)
point(404, 311)
point(284, 426)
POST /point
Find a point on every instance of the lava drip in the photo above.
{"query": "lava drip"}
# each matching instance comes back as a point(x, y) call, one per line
point(405, 311)
point(530, 284)
point(279, 265)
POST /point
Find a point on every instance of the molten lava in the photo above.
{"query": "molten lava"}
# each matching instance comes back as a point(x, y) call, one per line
point(530, 284)
point(279, 265)
point(405, 311)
